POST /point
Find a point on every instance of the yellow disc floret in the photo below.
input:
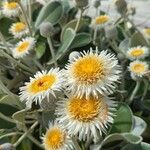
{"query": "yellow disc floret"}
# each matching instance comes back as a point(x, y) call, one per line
point(137, 52)
point(54, 139)
point(42, 84)
point(88, 70)
point(20, 26)
point(101, 19)
point(23, 46)
point(86, 110)
point(11, 5)
point(138, 68)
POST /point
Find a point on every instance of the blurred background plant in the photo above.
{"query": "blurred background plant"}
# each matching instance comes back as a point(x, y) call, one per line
point(57, 28)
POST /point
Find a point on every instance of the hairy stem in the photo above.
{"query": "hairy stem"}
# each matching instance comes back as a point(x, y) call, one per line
point(19, 64)
point(25, 18)
point(52, 50)
point(133, 94)
point(79, 20)
point(76, 145)
point(25, 134)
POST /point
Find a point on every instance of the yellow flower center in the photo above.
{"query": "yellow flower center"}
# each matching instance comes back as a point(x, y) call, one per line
point(138, 68)
point(147, 31)
point(11, 5)
point(86, 110)
point(42, 84)
point(54, 138)
point(137, 52)
point(23, 46)
point(101, 19)
point(20, 26)
point(88, 70)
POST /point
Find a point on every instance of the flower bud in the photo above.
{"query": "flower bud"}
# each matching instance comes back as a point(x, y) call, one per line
point(7, 146)
point(46, 29)
point(81, 3)
point(111, 32)
point(96, 3)
point(121, 6)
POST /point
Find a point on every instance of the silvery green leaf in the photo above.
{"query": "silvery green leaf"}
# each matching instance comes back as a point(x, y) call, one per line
point(67, 40)
point(123, 120)
point(15, 102)
point(138, 39)
point(51, 12)
point(141, 146)
point(124, 45)
point(72, 25)
point(117, 138)
point(139, 126)
point(81, 39)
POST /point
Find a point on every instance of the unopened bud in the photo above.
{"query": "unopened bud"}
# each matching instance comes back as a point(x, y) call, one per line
point(7, 146)
point(46, 29)
point(111, 32)
point(81, 3)
point(96, 3)
point(121, 6)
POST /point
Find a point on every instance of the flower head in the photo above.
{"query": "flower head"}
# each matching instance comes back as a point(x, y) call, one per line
point(101, 20)
point(19, 29)
point(86, 117)
point(23, 47)
point(10, 9)
point(43, 85)
point(92, 73)
point(56, 138)
point(137, 52)
point(138, 68)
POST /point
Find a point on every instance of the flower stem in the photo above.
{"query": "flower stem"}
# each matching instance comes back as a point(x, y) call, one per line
point(25, 18)
point(25, 134)
point(79, 20)
point(133, 94)
point(30, 10)
point(35, 141)
point(22, 66)
point(52, 50)
point(145, 89)
point(2, 116)
point(4, 42)
point(8, 92)
point(95, 35)
point(76, 145)
point(9, 134)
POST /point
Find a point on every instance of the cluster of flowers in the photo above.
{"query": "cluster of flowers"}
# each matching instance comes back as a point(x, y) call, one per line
point(18, 30)
point(138, 67)
point(87, 81)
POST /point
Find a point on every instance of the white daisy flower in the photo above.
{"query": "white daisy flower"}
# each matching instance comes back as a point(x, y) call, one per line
point(56, 138)
point(137, 52)
point(92, 73)
point(18, 29)
point(138, 68)
point(23, 47)
point(86, 118)
point(43, 85)
point(146, 32)
point(10, 9)
point(101, 20)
